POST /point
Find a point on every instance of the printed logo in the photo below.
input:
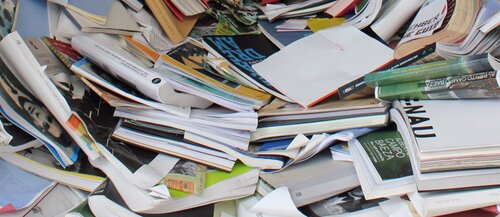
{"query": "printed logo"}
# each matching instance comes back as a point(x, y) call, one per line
point(156, 80)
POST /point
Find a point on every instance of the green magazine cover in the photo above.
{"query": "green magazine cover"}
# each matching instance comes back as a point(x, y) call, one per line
point(388, 154)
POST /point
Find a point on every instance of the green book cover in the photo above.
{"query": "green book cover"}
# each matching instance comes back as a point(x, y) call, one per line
point(471, 86)
point(388, 154)
point(439, 69)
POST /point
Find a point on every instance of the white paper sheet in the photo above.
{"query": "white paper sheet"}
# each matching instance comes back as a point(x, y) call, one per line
point(277, 203)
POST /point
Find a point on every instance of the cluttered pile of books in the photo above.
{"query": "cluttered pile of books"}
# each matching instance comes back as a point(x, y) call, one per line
point(249, 108)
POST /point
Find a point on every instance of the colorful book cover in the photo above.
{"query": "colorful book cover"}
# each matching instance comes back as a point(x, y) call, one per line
point(388, 154)
point(191, 58)
point(17, 99)
point(471, 86)
point(242, 51)
point(458, 66)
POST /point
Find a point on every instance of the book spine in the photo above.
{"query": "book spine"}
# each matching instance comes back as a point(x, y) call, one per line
point(358, 87)
point(478, 85)
point(56, 52)
point(459, 66)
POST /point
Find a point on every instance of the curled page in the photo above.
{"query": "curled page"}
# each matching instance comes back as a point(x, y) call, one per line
point(277, 203)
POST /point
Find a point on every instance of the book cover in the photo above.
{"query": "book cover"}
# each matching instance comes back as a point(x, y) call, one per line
point(452, 126)
point(342, 7)
point(191, 58)
point(387, 152)
point(279, 107)
point(477, 85)
point(458, 66)
point(243, 51)
point(23, 109)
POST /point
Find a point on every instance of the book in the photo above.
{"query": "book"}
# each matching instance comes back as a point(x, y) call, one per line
point(78, 129)
point(285, 129)
point(280, 39)
point(301, 12)
point(454, 67)
point(94, 76)
point(448, 153)
point(26, 111)
point(341, 7)
point(175, 29)
point(190, 7)
point(175, 10)
point(190, 58)
point(249, 54)
point(272, 13)
point(14, 138)
point(358, 89)
point(382, 164)
point(173, 144)
point(279, 110)
point(476, 40)
point(150, 83)
point(306, 185)
point(471, 86)
point(97, 11)
point(393, 15)
point(330, 59)
point(366, 16)
point(439, 203)
point(445, 21)
point(232, 142)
